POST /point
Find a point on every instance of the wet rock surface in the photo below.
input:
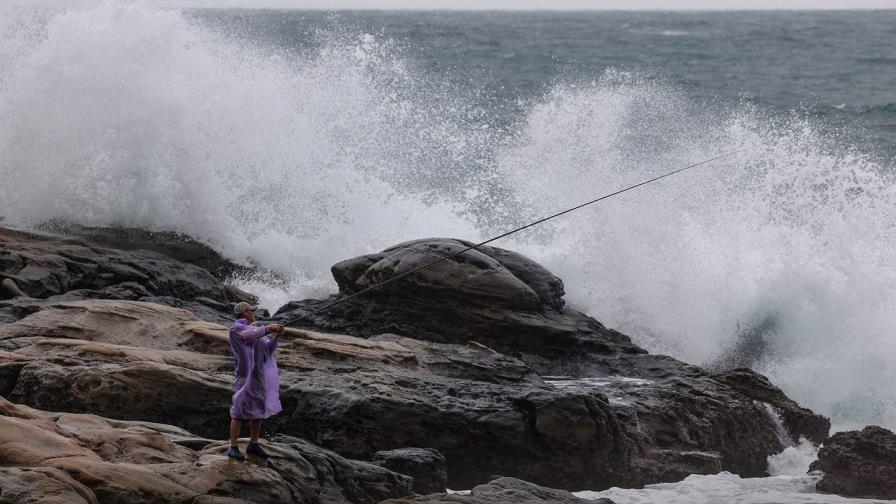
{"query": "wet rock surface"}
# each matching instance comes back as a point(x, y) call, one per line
point(678, 419)
point(496, 297)
point(175, 246)
point(859, 464)
point(65, 269)
point(73, 458)
point(507, 382)
point(426, 466)
point(503, 491)
point(796, 419)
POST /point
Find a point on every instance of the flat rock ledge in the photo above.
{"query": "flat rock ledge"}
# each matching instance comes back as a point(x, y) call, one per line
point(77, 458)
point(859, 464)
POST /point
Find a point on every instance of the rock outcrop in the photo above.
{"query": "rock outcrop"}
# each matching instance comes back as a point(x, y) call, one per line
point(679, 419)
point(77, 458)
point(859, 464)
point(494, 296)
point(479, 360)
point(487, 412)
point(795, 418)
point(426, 466)
point(61, 269)
point(169, 245)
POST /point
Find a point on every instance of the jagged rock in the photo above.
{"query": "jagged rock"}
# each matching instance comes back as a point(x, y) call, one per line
point(50, 267)
point(487, 412)
point(43, 266)
point(503, 491)
point(164, 244)
point(70, 458)
point(859, 464)
point(524, 388)
point(426, 466)
point(680, 418)
point(796, 418)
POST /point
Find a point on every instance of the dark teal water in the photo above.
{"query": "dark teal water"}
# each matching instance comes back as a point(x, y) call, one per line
point(837, 67)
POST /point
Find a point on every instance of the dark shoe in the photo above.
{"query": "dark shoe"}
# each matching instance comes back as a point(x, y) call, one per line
point(235, 453)
point(254, 449)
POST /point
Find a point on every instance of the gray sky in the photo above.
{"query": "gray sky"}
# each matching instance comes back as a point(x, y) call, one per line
point(527, 4)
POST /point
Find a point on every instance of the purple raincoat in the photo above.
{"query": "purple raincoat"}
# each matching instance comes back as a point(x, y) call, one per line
point(256, 386)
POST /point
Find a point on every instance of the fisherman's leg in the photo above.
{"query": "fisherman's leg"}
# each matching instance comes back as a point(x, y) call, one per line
point(255, 426)
point(234, 451)
point(234, 431)
point(253, 448)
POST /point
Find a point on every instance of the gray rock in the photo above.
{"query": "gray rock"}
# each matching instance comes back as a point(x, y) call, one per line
point(490, 295)
point(859, 464)
point(160, 244)
point(426, 466)
point(797, 420)
point(487, 412)
point(50, 267)
point(492, 276)
point(499, 385)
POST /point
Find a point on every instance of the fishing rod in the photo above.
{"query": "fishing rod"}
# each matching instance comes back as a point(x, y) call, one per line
point(508, 233)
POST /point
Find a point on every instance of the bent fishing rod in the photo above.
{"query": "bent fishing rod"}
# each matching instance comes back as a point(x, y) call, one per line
point(508, 233)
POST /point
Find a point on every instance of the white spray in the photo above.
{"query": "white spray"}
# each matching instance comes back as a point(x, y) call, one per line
point(128, 115)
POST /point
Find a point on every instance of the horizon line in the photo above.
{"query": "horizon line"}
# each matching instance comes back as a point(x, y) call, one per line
point(534, 9)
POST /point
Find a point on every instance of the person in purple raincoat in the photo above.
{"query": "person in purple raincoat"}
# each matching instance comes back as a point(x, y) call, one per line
point(256, 386)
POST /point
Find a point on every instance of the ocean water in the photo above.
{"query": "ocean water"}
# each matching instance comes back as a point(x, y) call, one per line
point(291, 140)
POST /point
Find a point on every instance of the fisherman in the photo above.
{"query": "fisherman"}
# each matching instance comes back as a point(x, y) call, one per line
point(256, 383)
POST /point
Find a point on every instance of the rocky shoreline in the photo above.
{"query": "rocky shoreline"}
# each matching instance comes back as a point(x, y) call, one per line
point(477, 360)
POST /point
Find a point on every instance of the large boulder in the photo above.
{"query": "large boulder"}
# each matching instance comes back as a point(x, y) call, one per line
point(490, 295)
point(859, 464)
point(486, 276)
point(72, 458)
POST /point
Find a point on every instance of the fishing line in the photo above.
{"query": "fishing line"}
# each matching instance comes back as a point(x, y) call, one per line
point(508, 233)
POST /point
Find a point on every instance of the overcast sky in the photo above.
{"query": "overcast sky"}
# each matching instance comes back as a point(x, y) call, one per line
point(525, 4)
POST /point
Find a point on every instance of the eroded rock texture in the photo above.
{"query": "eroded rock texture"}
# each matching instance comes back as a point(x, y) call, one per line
point(62, 269)
point(425, 465)
point(667, 419)
point(479, 360)
point(79, 458)
point(859, 464)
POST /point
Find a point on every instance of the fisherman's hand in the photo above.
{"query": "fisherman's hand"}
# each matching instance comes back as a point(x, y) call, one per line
point(275, 328)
